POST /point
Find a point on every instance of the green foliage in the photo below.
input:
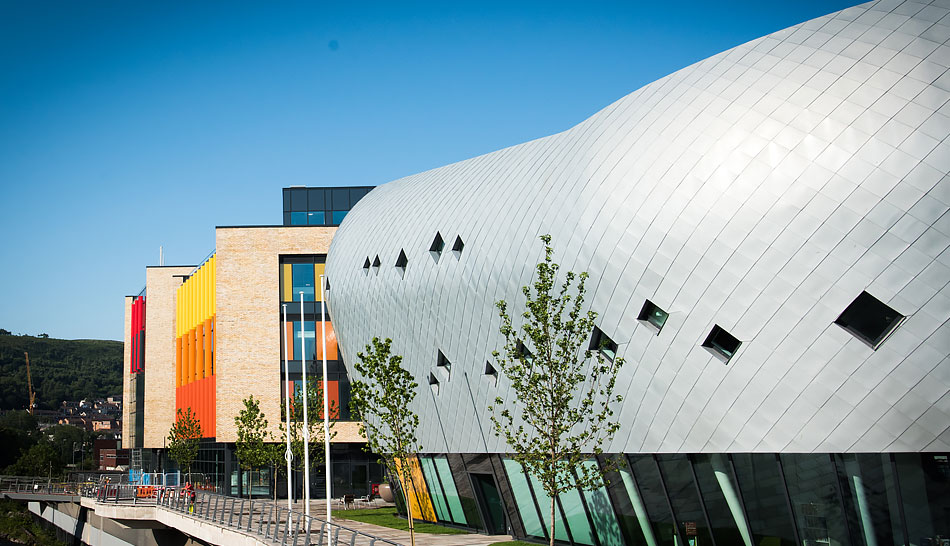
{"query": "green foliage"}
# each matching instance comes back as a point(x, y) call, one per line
point(61, 370)
point(564, 392)
point(251, 448)
point(18, 420)
point(385, 517)
point(41, 459)
point(184, 438)
point(18, 527)
point(383, 396)
point(315, 428)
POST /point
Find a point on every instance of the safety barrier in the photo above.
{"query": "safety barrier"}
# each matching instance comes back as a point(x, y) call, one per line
point(267, 519)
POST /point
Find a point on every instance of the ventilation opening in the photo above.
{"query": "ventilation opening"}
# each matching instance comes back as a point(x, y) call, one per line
point(442, 363)
point(436, 247)
point(600, 342)
point(653, 316)
point(376, 264)
point(434, 383)
point(721, 343)
point(869, 319)
point(401, 262)
point(366, 266)
point(457, 247)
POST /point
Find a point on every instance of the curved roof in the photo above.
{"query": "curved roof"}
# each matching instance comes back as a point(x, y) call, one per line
point(761, 190)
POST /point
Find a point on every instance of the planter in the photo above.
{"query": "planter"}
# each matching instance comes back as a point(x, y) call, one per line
point(385, 492)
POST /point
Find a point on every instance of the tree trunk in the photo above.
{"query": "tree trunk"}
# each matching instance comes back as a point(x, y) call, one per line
point(412, 530)
point(552, 521)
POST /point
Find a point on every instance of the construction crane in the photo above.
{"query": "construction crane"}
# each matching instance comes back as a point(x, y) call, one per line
point(29, 382)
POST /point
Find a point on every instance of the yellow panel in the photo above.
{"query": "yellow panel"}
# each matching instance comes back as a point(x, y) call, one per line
point(288, 283)
point(419, 498)
point(214, 285)
point(318, 270)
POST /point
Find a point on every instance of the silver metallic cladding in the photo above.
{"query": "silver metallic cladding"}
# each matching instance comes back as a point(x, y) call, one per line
point(761, 189)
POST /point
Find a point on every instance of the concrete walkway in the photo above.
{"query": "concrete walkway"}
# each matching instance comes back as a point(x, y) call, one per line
point(319, 509)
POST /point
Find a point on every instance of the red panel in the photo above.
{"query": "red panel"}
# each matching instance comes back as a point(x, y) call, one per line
point(333, 392)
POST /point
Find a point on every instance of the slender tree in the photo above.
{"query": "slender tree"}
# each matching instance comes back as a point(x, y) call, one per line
point(184, 438)
point(251, 447)
point(315, 426)
point(382, 397)
point(564, 390)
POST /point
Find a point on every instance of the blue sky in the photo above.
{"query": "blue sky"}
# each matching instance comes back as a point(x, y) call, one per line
point(125, 126)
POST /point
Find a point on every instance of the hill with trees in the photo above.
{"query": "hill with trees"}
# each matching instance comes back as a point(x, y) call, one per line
point(61, 369)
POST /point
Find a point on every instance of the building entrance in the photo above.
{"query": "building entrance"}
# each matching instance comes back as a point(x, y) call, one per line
point(490, 503)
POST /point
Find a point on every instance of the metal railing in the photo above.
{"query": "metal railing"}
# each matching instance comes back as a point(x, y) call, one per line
point(38, 486)
point(266, 519)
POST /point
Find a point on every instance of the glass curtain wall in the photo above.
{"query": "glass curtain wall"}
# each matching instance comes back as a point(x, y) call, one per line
point(865, 499)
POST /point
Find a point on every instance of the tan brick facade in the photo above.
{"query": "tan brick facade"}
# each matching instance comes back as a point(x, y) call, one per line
point(247, 349)
point(161, 284)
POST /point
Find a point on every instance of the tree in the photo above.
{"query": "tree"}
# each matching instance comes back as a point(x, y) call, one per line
point(563, 409)
point(184, 438)
point(382, 397)
point(41, 459)
point(315, 429)
point(251, 448)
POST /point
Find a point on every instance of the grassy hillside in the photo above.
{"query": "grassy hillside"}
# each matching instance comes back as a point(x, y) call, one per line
point(62, 370)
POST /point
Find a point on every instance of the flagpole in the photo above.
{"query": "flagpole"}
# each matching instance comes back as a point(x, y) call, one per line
point(306, 421)
point(326, 396)
point(289, 454)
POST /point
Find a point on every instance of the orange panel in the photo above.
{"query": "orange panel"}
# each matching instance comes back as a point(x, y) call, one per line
point(289, 340)
point(332, 350)
point(333, 393)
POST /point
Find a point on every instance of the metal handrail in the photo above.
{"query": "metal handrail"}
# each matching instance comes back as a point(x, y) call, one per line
point(265, 518)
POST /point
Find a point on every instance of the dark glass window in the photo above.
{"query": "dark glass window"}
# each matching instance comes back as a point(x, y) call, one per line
point(340, 198)
point(443, 362)
point(814, 495)
point(315, 218)
point(721, 343)
point(436, 247)
point(600, 342)
point(678, 476)
point(338, 216)
point(305, 340)
point(434, 383)
point(457, 247)
point(525, 353)
point(490, 370)
point(303, 281)
point(870, 498)
point(653, 315)
point(720, 495)
point(401, 262)
point(925, 489)
point(298, 199)
point(869, 319)
point(376, 264)
point(763, 495)
point(315, 199)
point(298, 218)
point(653, 497)
point(366, 266)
